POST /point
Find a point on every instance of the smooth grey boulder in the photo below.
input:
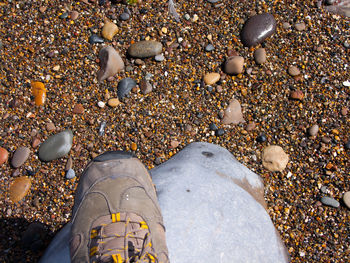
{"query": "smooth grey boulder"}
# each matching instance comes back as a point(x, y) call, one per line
point(56, 146)
point(257, 29)
point(213, 209)
point(145, 49)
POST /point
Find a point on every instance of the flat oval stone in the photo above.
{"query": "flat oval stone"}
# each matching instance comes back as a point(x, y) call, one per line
point(124, 16)
point(211, 78)
point(125, 86)
point(313, 130)
point(4, 155)
point(20, 156)
point(114, 102)
point(260, 56)
point(330, 201)
point(56, 146)
point(19, 188)
point(145, 49)
point(257, 29)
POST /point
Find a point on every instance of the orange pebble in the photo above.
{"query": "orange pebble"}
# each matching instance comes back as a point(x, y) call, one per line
point(39, 92)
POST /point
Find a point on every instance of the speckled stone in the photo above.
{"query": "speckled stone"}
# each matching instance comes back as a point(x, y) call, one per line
point(257, 29)
point(144, 49)
point(234, 65)
point(109, 30)
point(56, 146)
point(20, 156)
point(330, 201)
point(125, 86)
point(233, 113)
point(19, 188)
point(110, 62)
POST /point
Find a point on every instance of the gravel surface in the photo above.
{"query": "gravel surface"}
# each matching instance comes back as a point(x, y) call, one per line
point(48, 42)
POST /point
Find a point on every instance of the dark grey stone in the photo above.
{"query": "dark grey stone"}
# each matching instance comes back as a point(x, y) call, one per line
point(125, 86)
point(144, 49)
point(220, 132)
point(213, 126)
point(257, 29)
point(56, 146)
point(124, 16)
point(93, 39)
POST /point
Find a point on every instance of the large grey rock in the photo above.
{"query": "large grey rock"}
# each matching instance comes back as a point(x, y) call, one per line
point(213, 209)
point(257, 29)
point(56, 146)
point(110, 62)
point(145, 49)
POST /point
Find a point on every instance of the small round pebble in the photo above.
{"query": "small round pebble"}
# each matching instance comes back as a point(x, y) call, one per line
point(330, 201)
point(113, 102)
point(159, 58)
point(212, 126)
point(220, 132)
point(260, 56)
point(4, 155)
point(93, 39)
point(101, 104)
point(20, 156)
point(261, 138)
point(293, 71)
point(209, 48)
point(64, 15)
point(211, 78)
point(313, 130)
point(124, 16)
point(70, 174)
point(300, 26)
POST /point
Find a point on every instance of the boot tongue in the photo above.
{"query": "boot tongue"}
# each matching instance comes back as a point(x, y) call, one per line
point(125, 234)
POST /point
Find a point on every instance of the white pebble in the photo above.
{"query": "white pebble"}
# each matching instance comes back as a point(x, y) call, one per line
point(346, 83)
point(101, 104)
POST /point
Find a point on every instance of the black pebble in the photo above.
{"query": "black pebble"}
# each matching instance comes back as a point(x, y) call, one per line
point(261, 138)
point(95, 39)
point(219, 132)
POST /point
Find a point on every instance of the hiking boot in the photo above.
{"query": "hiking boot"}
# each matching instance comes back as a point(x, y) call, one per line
point(116, 216)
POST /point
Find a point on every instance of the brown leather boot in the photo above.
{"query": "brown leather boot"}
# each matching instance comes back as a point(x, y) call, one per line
point(116, 216)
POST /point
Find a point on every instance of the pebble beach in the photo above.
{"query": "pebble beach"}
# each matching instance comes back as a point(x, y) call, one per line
point(267, 80)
